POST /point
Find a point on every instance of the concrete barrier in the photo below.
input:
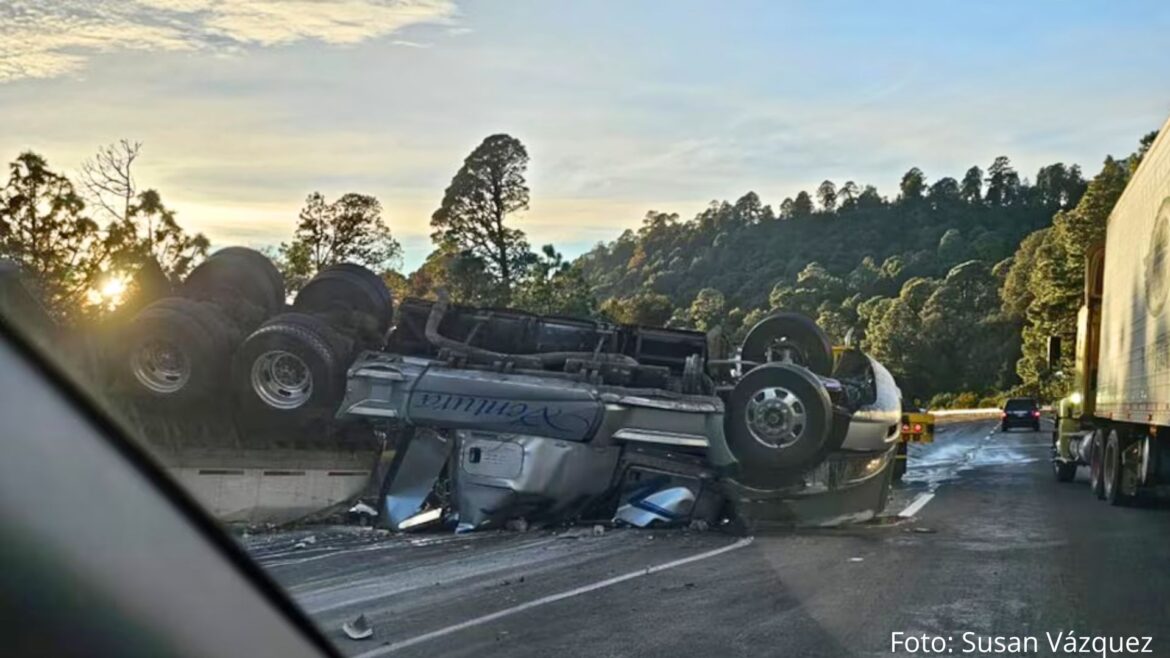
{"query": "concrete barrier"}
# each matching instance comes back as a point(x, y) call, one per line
point(271, 486)
point(947, 416)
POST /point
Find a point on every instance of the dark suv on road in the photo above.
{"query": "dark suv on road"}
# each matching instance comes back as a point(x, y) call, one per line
point(1021, 412)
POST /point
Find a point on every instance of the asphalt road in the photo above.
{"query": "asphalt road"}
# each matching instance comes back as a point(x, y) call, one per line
point(978, 540)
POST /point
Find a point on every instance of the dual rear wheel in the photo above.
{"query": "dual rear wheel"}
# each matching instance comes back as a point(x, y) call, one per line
point(1112, 476)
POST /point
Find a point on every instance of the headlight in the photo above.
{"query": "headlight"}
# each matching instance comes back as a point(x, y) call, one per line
point(1075, 398)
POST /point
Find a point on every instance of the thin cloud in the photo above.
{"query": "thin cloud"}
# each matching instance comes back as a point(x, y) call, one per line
point(44, 40)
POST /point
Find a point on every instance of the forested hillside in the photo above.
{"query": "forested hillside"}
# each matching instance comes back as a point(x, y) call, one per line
point(955, 284)
point(940, 281)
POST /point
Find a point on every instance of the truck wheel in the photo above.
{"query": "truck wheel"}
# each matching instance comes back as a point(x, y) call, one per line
point(789, 338)
point(348, 287)
point(1096, 477)
point(778, 420)
point(1064, 471)
point(176, 350)
point(1112, 471)
point(290, 369)
point(236, 272)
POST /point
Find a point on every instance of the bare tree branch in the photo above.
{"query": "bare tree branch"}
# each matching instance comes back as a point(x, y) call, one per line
point(108, 178)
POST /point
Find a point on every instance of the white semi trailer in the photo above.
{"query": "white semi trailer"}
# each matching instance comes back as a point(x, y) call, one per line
point(1117, 420)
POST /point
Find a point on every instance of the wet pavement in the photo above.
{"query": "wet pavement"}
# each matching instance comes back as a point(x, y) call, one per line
point(978, 539)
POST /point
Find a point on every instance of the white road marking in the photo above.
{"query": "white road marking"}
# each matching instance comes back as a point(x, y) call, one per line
point(914, 507)
point(552, 598)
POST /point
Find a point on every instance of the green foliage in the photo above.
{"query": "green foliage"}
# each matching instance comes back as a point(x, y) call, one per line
point(487, 188)
point(648, 308)
point(348, 230)
point(860, 262)
point(461, 273)
point(555, 287)
point(44, 228)
point(1043, 289)
point(827, 195)
point(150, 232)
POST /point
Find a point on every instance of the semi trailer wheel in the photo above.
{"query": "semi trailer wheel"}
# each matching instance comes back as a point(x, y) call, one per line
point(348, 287)
point(237, 272)
point(1113, 471)
point(290, 369)
point(1096, 454)
point(778, 420)
point(789, 338)
point(177, 349)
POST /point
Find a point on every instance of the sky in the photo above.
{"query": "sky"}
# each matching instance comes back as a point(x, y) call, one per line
point(244, 107)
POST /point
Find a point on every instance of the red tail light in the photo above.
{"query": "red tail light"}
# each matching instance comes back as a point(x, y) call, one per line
point(905, 428)
point(917, 427)
point(1003, 414)
point(1036, 413)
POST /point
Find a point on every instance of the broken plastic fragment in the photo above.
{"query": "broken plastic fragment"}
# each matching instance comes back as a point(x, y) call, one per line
point(421, 519)
point(671, 505)
point(856, 559)
point(358, 629)
point(362, 508)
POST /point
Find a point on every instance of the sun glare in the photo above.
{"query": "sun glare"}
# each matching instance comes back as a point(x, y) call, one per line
point(109, 292)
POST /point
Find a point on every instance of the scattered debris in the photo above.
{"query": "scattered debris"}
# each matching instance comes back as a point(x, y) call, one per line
point(304, 543)
point(856, 559)
point(598, 530)
point(663, 507)
point(923, 530)
point(699, 525)
point(517, 525)
point(358, 629)
point(422, 519)
point(363, 509)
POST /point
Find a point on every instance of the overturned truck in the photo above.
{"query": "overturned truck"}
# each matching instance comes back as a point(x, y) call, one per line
point(269, 411)
point(507, 415)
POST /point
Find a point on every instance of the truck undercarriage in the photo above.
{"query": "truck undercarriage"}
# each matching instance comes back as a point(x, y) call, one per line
point(510, 416)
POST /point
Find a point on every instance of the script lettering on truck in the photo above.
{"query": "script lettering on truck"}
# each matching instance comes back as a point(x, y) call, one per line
point(565, 420)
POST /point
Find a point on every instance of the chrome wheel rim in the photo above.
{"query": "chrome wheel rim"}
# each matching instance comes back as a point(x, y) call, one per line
point(160, 366)
point(282, 379)
point(776, 417)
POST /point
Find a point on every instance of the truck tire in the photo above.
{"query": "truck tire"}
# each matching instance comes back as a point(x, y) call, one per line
point(348, 287)
point(237, 272)
point(789, 338)
point(290, 369)
point(1064, 471)
point(778, 420)
point(1112, 467)
point(1096, 453)
point(176, 350)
